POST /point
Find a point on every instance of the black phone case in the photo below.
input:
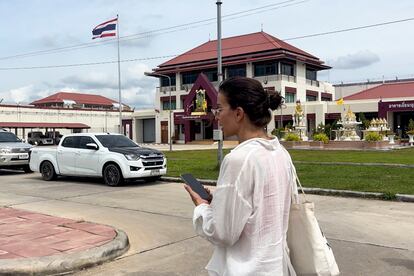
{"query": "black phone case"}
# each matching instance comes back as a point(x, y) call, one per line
point(195, 185)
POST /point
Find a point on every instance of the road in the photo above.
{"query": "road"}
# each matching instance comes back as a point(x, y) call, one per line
point(369, 237)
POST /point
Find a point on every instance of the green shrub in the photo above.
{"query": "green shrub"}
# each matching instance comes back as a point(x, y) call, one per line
point(320, 128)
point(373, 137)
point(278, 132)
point(292, 137)
point(364, 121)
point(322, 137)
point(410, 127)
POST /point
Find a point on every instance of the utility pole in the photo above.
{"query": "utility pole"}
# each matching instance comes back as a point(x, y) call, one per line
point(219, 76)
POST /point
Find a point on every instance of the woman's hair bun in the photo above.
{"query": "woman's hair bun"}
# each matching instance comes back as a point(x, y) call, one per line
point(275, 100)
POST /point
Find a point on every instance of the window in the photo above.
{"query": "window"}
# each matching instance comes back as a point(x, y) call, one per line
point(85, 140)
point(265, 69)
point(325, 99)
point(165, 81)
point(189, 77)
point(71, 142)
point(311, 74)
point(290, 97)
point(311, 98)
point(211, 75)
point(236, 71)
point(166, 105)
point(287, 69)
point(116, 141)
point(8, 137)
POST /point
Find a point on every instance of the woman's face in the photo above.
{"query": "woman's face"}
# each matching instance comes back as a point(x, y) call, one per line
point(226, 116)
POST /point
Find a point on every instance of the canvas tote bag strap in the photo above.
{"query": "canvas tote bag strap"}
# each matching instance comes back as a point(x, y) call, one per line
point(296, 181)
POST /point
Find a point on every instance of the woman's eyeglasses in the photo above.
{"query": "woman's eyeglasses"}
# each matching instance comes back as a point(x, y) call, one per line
point(216, 111)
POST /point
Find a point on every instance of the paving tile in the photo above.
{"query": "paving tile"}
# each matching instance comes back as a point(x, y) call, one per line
point(11, 220)
point(96, 239)
point(46, 218)
point(75, 235)
point(82, 248)
point(92, 228)
point(28, 249)
point(67, 245)
point(9, 256)
point(50, 240)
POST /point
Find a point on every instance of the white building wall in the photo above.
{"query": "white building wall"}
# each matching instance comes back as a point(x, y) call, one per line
point(99, 121)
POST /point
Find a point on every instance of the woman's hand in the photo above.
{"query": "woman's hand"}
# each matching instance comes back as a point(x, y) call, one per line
point(196, 198)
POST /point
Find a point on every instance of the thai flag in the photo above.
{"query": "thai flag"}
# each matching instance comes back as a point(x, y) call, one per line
point(105, 29)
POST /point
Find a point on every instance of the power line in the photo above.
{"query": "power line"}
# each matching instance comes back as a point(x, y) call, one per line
point(194, 53)
point(351, 29)
point(165, 30)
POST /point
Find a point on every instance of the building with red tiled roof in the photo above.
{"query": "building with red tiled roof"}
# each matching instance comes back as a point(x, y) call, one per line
point(237, 50)
point(276, 64)
point(384, 91)
point(77, 100)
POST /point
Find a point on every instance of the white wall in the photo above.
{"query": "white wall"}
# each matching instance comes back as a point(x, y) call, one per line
point(99, 121)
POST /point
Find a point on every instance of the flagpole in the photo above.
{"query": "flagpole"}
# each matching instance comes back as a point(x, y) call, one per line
point(119, 81)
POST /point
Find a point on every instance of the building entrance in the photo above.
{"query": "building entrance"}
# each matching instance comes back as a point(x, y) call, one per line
point(401, 120)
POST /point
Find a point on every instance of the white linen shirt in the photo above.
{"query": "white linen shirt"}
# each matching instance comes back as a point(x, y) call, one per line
point(247, 219)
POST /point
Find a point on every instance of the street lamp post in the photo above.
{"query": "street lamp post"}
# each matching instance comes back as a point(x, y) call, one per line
point(151, 74)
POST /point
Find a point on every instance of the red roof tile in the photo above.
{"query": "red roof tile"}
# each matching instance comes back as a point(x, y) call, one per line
point(388, 90)
point(79, 98)
point(237, 45)
point(40, 124)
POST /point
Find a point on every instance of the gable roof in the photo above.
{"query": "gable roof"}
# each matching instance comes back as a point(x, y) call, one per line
point(259, 42)
point(78, 98)
point(387, 90)
point(201, 82)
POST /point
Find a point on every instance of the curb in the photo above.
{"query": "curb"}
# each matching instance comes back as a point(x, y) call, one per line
point(65, 263)
point(320, 191)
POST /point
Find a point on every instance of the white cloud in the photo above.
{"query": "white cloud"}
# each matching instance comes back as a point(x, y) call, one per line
point(137, 89)
point(356, 60)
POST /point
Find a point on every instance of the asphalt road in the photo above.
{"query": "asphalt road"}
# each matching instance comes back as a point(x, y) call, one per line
point(369, 237)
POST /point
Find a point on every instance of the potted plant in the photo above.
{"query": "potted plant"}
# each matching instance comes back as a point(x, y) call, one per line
point(391, 136)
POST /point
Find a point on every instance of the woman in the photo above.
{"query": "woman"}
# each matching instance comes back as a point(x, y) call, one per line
point(247, 218)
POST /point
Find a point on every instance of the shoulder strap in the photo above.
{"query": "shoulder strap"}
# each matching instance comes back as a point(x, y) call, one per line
point(295, 180)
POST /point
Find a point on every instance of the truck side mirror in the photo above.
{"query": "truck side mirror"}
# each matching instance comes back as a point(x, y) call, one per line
point(92, 146)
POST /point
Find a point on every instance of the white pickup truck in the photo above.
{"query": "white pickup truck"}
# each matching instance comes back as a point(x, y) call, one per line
point(111, 156)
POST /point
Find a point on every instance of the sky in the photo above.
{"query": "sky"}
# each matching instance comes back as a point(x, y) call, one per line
point(34, 31)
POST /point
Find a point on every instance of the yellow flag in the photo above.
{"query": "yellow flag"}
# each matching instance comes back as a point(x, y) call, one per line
point(340, 101)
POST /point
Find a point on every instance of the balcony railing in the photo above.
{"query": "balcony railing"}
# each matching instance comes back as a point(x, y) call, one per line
point(312, 82)
point(166, 89)
point(266, 79)
point(186, 87)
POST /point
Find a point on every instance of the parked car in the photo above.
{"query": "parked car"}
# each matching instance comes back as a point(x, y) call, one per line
point(38, 138)
point(14, 154)
point(113, 157)
point(55, 136)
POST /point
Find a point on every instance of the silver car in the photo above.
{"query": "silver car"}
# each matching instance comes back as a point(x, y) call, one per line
point(14, 153)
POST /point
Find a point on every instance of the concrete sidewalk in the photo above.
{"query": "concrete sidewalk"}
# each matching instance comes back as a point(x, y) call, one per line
point(34, 243)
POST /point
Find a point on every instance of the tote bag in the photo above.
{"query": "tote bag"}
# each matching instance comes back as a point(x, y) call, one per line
point(310, 252)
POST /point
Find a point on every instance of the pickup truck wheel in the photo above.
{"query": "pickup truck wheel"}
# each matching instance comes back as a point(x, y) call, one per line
point(112, 175)
point(48, 171)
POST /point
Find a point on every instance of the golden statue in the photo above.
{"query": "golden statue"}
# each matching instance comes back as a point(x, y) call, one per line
point(298, 117)
point(200, 103)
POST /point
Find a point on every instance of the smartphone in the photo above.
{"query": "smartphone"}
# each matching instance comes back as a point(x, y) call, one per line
point(195, 185)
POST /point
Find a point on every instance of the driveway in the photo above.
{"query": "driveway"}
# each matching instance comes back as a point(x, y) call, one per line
point(369, 237)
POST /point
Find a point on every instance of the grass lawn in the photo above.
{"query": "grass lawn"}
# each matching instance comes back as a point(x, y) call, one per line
point(391, 180)
point(404, 156)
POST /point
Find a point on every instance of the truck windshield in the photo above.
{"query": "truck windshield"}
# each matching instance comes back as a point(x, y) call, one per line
point(7, 137)
point(115, 141)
